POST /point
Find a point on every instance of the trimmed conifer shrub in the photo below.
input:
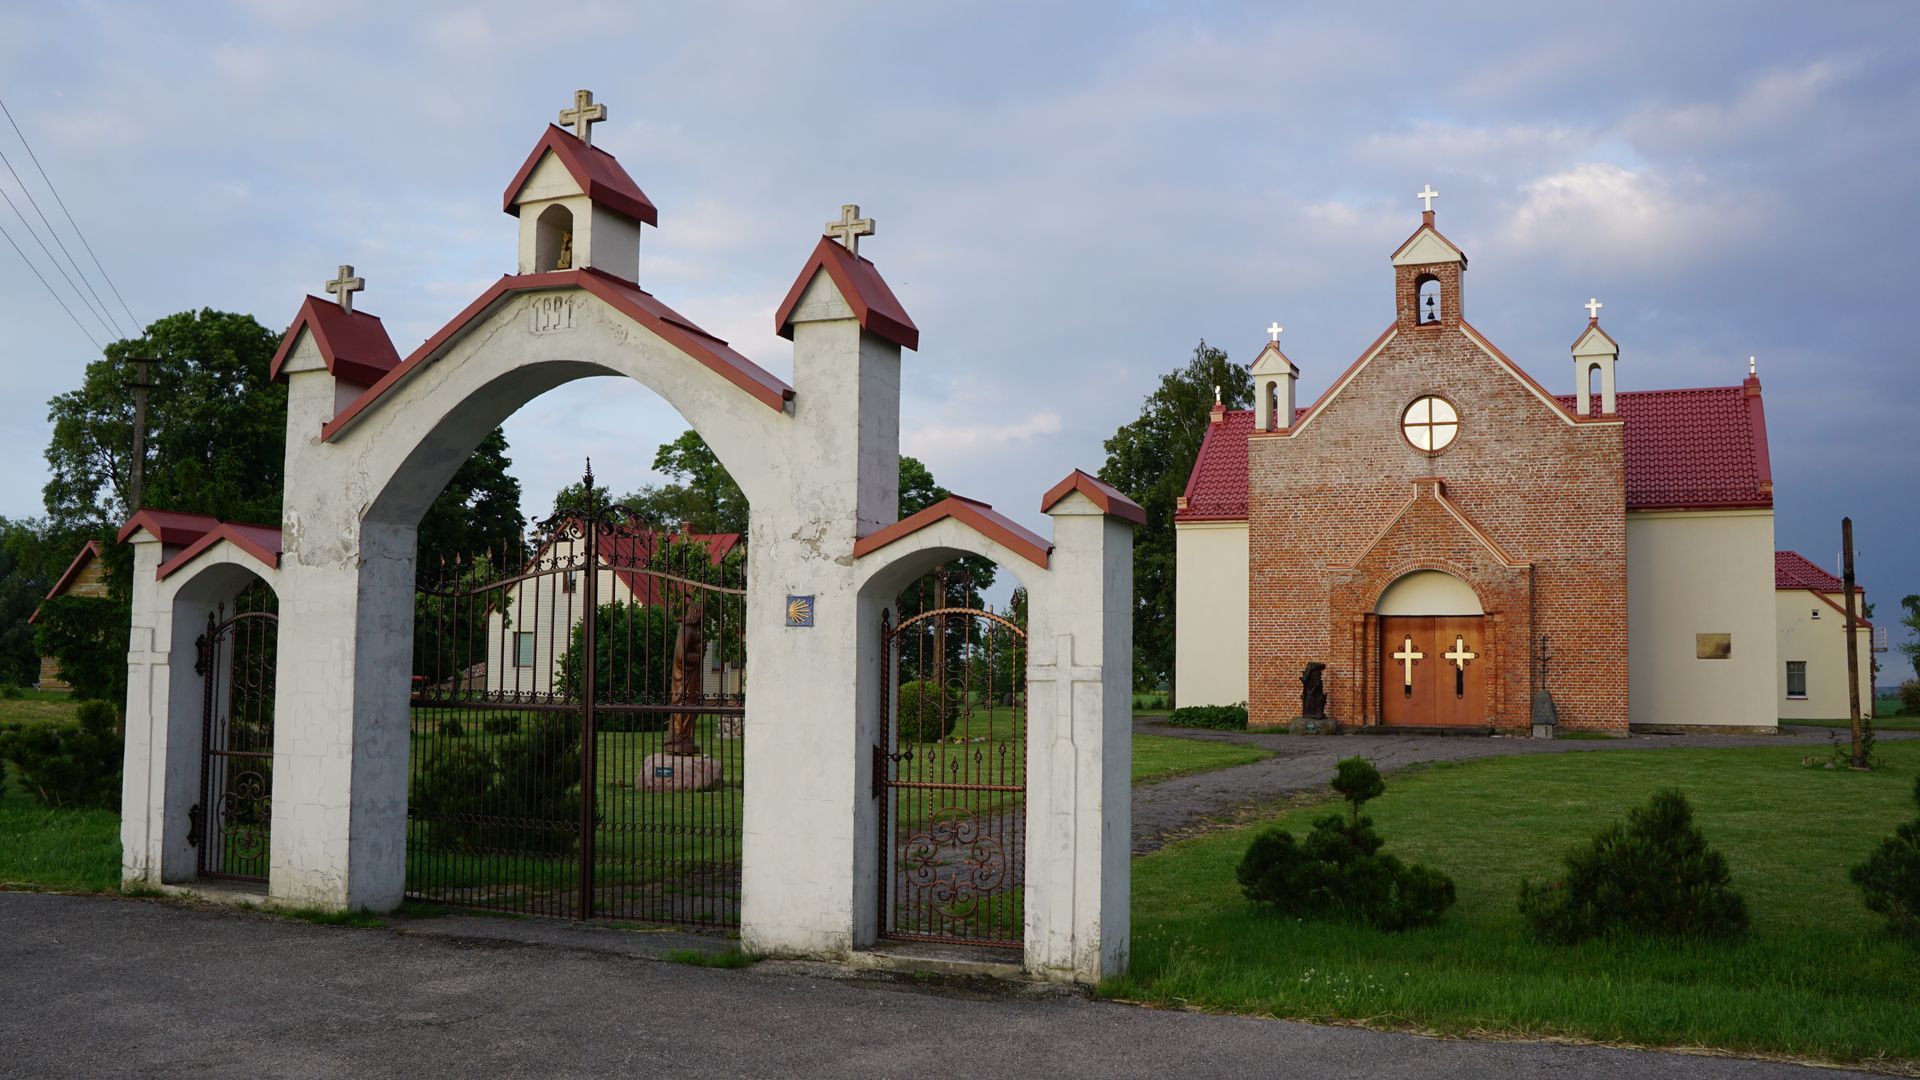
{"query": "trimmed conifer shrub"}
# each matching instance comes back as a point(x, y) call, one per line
point(928, 713)
point(69, 763)
point(1889, 881)
point(1651, 874)
point(1339, 872)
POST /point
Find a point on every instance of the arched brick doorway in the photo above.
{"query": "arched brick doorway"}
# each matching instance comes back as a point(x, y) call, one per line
point(1433, 653)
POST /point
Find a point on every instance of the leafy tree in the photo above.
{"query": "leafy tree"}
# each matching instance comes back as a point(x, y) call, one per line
point(215, 426)
point(476, 514)
point(32, 558)
point(571, 501)
point(88, 635)
point(1150, 459)
point(69, 763)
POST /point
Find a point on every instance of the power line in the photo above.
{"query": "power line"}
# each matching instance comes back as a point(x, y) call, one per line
point(31, 231)
point(50, 290)
point(99, 307)
point(63, 209)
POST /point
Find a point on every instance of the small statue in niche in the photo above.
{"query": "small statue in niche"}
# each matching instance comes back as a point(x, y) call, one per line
point(564, 261)
point(1313, 692)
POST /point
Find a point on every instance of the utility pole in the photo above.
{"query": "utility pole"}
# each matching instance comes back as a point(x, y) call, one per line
point(142, 382)
point(1859, 760)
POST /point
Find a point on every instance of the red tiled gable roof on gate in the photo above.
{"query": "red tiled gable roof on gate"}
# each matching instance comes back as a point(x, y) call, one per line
point(172, 528)
point(595, 170)
point(866, 292)
point(260, 541)
point(79, 563)
point(354, 344)
point(624, 296)
point(1111, 500)
point(976, 515)
point(1700, 449)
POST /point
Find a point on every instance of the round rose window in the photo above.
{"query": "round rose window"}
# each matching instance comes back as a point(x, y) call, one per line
point(1430, 424)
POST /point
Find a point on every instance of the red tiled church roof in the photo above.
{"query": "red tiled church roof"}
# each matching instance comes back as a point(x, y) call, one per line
point(1792, 570)
point(1703, 449)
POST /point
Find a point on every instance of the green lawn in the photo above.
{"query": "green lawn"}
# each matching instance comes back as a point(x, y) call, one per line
point(1162, 757)
point(1883, 722)
point(1818, 977)
point(69, 850)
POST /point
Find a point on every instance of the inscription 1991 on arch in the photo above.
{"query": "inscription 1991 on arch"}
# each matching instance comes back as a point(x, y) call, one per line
point(551, 314)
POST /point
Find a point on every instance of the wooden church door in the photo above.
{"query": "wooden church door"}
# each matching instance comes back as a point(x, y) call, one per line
point(1433, 671)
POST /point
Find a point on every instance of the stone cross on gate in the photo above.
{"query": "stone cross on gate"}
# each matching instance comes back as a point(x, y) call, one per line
point(1593, 307)
point(1064, 675)
point(1408, 655)
point(850, 228)
point(344, 286)
point(1426, 194)
point(583, 115)
point(1274, 331)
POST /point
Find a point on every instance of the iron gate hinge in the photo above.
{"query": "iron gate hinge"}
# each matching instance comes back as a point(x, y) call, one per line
point(879, 770)
point(196, 820)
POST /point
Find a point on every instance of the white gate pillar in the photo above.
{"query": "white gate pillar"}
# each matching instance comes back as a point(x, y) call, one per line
point(339, 838)
point(1080, 740)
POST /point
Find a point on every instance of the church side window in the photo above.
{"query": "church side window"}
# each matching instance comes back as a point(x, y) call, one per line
point(1430, 424)
point(1797, 679)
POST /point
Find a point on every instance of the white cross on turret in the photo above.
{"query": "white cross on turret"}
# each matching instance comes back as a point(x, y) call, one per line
point(1593, 307)
point(1426, 194)
point(1275, 331)
point(583, 115)
point(345, 286)
point(851, 227)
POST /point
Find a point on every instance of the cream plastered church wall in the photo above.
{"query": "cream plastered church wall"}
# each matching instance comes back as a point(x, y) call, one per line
point(1210, 609)
point(1690, 573)
point(1822, 644)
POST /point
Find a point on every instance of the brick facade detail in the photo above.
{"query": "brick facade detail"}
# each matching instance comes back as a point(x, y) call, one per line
point(1527, 506)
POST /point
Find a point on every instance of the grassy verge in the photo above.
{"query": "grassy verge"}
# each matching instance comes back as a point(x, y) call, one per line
point(1162, 757)
point(729, 958)
point(69, 850)
point(1817, 978)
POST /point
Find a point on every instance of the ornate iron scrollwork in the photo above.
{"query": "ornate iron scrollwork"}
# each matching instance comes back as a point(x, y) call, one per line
point(975, 864)
point(196, 825)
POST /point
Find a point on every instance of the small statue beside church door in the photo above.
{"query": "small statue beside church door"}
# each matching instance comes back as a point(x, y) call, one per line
point(1313, 692)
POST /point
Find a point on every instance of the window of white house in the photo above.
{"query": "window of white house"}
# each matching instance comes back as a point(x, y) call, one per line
point(1816, 613)
point(1797, 679)
point(523, 649)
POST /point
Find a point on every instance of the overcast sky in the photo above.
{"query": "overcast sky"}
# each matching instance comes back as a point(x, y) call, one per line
point(1068, 197)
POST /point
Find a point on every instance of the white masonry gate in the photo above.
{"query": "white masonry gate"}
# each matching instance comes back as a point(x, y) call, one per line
point(372, 438)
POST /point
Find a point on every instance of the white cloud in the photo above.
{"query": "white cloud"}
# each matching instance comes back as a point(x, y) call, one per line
point(929, 440)
point(1636, 219)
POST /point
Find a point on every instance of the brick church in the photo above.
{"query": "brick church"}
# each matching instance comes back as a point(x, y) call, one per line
point(1448, 536)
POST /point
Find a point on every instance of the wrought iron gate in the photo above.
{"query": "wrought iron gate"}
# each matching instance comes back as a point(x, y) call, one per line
point(230, 823)
point(577, 725)
point(950, 774)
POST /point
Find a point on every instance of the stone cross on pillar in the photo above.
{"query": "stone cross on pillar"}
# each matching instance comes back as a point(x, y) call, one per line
point(583, 115)
point(851, 227)
point(344, 286)
point(1426, 194)
point(1063, 757)
point(1593, 307)
point(1274, 331)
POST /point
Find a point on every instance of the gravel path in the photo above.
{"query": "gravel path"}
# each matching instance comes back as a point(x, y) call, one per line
point(1301, 765)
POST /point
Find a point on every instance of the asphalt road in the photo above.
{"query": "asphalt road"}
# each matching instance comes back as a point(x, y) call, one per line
point(110, 987)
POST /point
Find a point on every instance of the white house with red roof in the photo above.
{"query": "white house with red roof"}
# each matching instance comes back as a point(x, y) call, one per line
point(1812, 619)
point(1451, 539)
point(527, 640)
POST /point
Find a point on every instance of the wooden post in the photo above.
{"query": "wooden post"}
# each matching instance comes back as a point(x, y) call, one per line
point(1859, 760)
point(142, 382)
